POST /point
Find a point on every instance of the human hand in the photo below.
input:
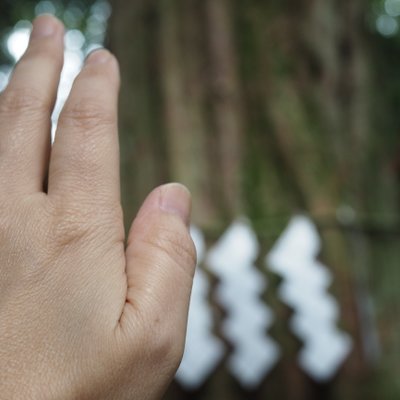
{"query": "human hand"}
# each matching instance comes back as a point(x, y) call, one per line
point(81, 317)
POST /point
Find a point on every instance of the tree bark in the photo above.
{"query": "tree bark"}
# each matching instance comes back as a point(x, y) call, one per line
point(262, 109)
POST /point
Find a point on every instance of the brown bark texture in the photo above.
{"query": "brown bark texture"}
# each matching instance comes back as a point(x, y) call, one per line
point(266, 109)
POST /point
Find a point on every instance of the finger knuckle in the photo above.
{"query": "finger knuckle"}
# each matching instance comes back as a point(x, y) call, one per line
point(76, 221)
point(87, 115)
point(68, 234)
point(23, 231)
point(69, 226)
point(15, 100)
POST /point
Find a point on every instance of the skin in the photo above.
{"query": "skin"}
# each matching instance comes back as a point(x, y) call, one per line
point(85, 313)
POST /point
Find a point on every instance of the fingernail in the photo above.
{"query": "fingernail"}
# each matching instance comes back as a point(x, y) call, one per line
point(176, 199)
point(98, 57)
point(44, 26)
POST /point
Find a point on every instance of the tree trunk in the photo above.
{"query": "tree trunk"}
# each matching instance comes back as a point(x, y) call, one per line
point(261, 109)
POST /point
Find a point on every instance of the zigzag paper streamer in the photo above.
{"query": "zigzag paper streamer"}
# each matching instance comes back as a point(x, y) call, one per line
point(241, 284)
point(304, 289)
point(203, 351)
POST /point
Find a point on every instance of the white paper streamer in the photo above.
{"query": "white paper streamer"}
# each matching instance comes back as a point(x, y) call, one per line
point(203, 351)
point(241, 284)
point(304, 288)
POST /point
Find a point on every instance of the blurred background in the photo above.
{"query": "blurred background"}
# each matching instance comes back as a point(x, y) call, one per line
point(283, 119)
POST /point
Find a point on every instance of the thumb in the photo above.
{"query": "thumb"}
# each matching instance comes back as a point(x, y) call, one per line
point(160, 259)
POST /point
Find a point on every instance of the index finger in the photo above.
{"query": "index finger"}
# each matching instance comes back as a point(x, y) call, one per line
point(84, 161)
